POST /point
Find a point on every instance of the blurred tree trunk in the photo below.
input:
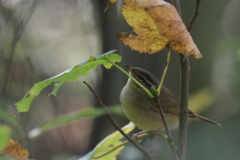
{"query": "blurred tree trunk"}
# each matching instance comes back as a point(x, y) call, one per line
point(101, 123)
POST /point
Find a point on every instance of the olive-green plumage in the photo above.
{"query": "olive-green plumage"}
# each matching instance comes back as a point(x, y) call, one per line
point(142, 110)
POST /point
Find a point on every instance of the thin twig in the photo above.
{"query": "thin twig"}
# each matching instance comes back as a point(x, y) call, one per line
point(195, 14)
point(170, 140)
point(117, 127)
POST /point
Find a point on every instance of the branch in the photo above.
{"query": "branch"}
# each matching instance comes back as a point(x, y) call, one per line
point(185, 69)
point(170, 140)
point(183, 114)
point(184, 85)
point(195, 14)
point(116, 126)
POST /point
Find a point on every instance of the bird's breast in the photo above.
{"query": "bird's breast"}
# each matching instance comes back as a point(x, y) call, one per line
point(136, 107)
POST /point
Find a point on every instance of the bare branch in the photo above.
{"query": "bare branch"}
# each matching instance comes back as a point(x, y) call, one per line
point(184, 94)
point(183, 120)
point(116, 126)
point(195, 14)
point(170, 140)
point(183, 114)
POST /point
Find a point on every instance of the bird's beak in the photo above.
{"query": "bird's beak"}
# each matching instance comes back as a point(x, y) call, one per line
point(128, 67)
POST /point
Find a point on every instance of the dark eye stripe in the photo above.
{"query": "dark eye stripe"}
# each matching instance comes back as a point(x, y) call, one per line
point(141, 78)
point(144, 81)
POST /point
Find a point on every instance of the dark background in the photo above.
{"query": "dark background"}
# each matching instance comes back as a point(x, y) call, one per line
point(41, 39)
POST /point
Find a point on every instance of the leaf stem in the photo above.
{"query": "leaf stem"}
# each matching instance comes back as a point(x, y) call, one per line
point(145, 89)
point(164, 73)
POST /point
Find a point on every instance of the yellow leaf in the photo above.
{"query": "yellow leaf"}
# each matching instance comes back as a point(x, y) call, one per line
point(110, 146)
point(148, 39)
point(157, 25)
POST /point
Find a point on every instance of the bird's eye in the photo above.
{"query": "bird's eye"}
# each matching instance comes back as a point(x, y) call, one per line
point(141, 78)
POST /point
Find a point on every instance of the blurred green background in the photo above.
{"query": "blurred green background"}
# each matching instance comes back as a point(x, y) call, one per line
point(39, 39)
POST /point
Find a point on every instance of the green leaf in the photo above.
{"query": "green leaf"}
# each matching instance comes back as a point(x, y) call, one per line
point(5, 132)
point(71, 74)
point(100, 152)
point(70, 117)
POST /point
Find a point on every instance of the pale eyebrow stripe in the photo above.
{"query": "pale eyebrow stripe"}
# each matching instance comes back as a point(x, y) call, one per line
point(146, 80)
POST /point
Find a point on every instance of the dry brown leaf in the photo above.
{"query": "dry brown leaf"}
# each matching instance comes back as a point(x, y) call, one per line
point(16, 150)
point(157, 25)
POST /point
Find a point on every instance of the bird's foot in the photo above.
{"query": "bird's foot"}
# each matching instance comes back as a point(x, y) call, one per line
point(152, 134)
point(136, 139)
point(135, 136)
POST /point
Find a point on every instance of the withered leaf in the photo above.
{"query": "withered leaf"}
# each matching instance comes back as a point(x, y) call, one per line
point(157, 25)
point(14, 149)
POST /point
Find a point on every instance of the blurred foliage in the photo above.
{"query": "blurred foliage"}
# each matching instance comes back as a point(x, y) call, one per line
point(6, 158)
point(4, 136)
point(196, 103)
point(70, 117)
point(12, 122)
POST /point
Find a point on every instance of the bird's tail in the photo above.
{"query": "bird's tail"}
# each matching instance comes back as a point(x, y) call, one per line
point(198, 117)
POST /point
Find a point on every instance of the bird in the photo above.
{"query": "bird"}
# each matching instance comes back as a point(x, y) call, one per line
point(142, 110)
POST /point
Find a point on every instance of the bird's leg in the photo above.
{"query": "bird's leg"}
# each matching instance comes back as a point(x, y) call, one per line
point(152, 134)
point(135, 136)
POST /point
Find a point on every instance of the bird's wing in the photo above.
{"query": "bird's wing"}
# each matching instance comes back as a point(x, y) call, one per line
point(169, 102)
